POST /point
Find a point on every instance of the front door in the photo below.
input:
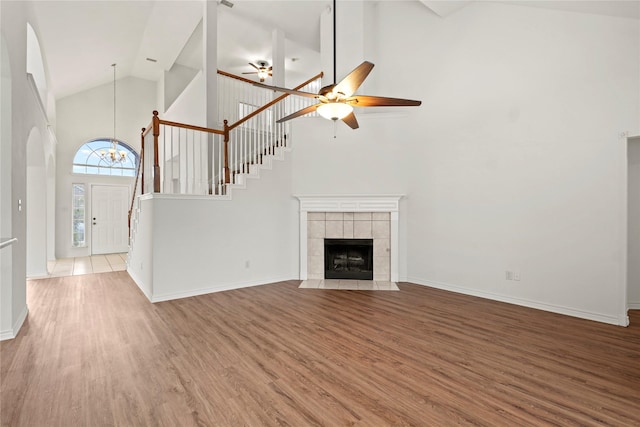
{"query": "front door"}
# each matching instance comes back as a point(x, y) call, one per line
point(109, 233)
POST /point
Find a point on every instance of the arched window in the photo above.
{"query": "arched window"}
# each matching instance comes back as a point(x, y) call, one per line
point(91, 159)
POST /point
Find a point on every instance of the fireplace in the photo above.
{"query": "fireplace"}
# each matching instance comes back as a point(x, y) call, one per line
point(349, 217)
point(348, 259)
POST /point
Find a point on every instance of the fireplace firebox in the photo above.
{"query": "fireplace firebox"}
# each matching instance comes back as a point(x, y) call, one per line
point(348, 259)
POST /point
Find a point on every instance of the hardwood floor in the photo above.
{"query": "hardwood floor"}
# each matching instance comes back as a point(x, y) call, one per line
point(94, 352)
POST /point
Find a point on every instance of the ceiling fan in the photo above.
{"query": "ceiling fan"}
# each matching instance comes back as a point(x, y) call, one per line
point(262, 70)
point(336, 101)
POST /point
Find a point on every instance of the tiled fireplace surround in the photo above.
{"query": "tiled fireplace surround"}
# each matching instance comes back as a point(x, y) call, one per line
point(352, 216)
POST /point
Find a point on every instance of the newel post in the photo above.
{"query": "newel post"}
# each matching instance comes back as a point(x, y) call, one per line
point(141, 166)
point(227, 176)
point(156, 162)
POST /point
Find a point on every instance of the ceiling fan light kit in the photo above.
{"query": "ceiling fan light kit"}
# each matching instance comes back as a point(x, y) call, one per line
point(262, 70)
point(335, 110)
point(262, 75)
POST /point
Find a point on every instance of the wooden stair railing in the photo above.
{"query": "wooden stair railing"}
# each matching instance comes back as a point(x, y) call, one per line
point(135, 185)
point(225, 132)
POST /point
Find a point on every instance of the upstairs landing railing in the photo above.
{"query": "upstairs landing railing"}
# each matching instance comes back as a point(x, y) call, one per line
point(178, 158)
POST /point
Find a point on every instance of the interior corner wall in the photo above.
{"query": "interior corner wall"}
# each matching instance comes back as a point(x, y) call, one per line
point(175, 81)
point(189, 106)
point(86, 116)
point(512, 163)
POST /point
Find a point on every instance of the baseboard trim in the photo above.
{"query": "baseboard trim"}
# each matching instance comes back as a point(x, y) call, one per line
point(220, 288)
point(634, 305)
point(38, 274)
point(568, 311)
point(13, 332)
point(138, 283)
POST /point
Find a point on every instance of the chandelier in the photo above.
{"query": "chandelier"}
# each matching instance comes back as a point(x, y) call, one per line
point(112, 156)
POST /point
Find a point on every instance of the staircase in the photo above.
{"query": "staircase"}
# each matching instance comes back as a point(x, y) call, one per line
point(182, 164)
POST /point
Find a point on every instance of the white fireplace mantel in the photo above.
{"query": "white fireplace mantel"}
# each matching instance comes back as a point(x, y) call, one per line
point(350, 203)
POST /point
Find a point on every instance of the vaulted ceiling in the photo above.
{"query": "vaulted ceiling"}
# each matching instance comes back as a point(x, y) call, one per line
point(81, 39)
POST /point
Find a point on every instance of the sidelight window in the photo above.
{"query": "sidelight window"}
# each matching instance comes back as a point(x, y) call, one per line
point(78, 218)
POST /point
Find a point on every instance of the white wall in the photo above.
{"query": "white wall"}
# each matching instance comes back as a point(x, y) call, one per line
point(141, 255)
point(512, 162)
point(633, 256)
point(189, 106)
point(35, 65)
point(26, 114)
point(176, 80)
point(367, 161)
point(36, 206)
point(218, 244)
point(51, 203)
point(6, 276)
point(86, 116)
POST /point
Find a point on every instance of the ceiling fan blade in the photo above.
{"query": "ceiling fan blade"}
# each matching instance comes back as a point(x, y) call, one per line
point(251, 72)
point(289, 91)
point(254, 66)
point(270, 68)
point(299, 113)
point(351, 121)
point(380, 101)
point(352, 82)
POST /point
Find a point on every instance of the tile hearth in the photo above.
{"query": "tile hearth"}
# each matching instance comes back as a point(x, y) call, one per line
point(352, 285)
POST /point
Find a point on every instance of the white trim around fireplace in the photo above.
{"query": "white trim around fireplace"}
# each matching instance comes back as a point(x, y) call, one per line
point(350, 203)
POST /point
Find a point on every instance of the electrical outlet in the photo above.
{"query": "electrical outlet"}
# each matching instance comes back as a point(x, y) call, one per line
point(516, 276)
point(247, 264)
point(509, 275)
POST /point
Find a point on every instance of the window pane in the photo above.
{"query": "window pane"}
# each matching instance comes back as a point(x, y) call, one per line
point(78, 215)
point(93, 158)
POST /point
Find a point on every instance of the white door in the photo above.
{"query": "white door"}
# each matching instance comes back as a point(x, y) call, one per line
point(109, 228)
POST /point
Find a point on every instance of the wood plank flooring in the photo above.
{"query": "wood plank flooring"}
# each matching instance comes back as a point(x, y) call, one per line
point(95, 352)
